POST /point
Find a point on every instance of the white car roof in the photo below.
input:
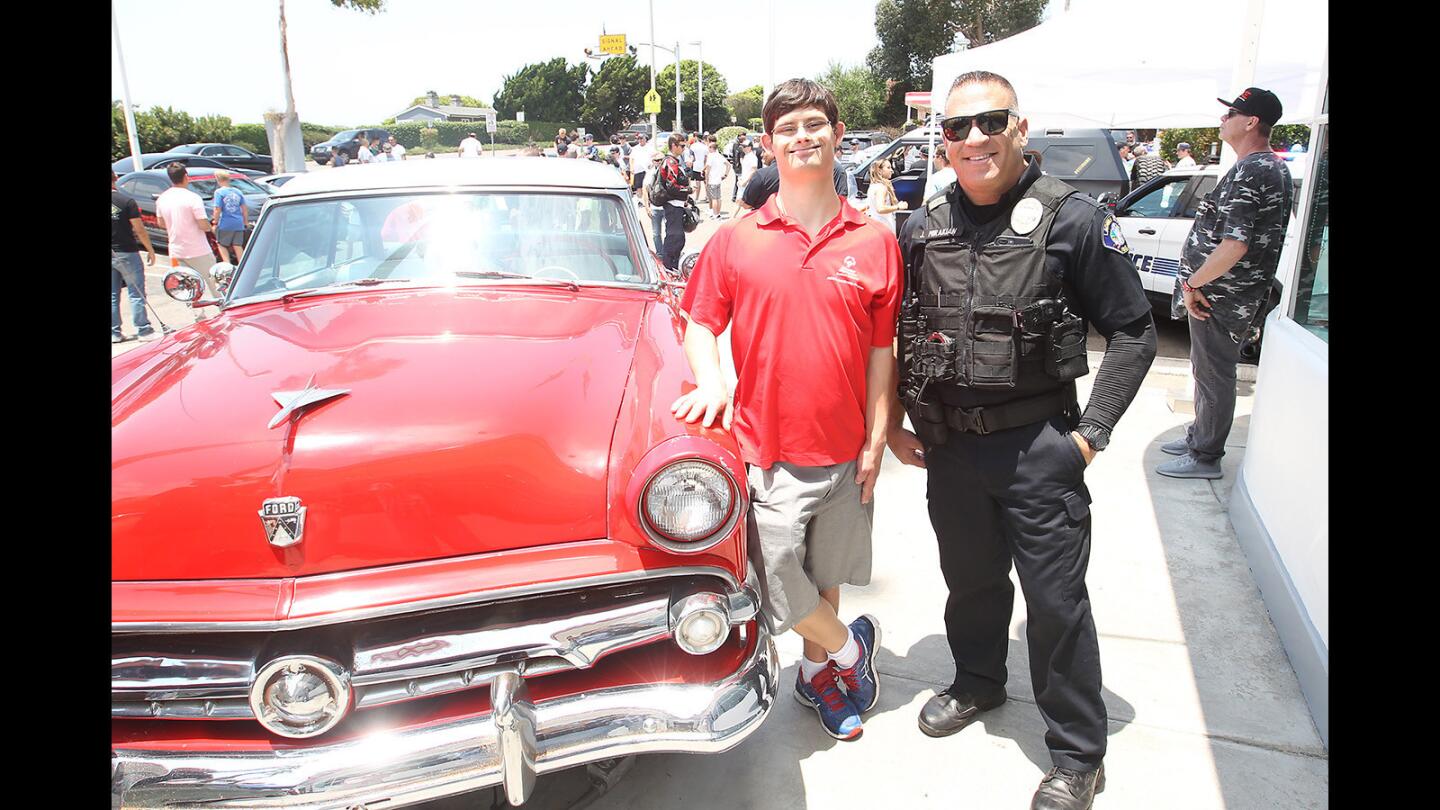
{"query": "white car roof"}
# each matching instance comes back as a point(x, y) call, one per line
point(456, 172)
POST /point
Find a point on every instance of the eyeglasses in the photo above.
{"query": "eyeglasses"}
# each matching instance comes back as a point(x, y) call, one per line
point(992, 122)
point(1231, 113)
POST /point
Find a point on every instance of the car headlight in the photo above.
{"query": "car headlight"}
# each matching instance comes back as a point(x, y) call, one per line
point(687, 503)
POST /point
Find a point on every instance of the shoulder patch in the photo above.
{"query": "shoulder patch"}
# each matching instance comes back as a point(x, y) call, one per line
point(1112, 236)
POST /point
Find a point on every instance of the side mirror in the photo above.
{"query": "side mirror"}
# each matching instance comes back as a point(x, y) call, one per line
point(1109, 199)
point(186, 286)
point(223, 273)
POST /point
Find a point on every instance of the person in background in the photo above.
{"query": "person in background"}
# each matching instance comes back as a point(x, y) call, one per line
point(717, 168)
point(181, 213)
point(339, 158)
point(1227, 268)
point(749, 164)
point(1148, 166)
point(640, 155)
point(127, 234)
point(364, 154)
point(881, 201)
point(941, 175)
point(676, 193)
point(699, 151)
point(397, 150)
point(469, 147)
point(1182, 151)
point(230, 219)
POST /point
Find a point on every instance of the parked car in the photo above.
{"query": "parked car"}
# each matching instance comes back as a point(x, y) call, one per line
point(236, 157)
point(275, 181)
point(347, 141)
point(411, 516)
point(1156, 220)
point(159, 160)
point(863, 139)
point(144, 187)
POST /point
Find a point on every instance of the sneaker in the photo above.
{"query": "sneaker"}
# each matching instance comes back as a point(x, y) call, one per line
point(1188, 466)
point(151, 335)
point(838, 715)
point(114, 338)
point(1178, 447)
point(861, 682)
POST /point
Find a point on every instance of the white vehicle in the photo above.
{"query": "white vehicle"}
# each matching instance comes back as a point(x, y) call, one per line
point(1156, 219)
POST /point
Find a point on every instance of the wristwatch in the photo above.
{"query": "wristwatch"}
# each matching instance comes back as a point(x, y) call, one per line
point(1097, 437)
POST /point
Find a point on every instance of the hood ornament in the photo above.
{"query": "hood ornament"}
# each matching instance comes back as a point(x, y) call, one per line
point(293, 402)
point(284, 521)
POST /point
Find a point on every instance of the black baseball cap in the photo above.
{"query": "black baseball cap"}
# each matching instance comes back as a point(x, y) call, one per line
point(1260, 103)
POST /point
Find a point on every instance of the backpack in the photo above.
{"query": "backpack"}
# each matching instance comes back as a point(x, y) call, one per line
point(675, 188)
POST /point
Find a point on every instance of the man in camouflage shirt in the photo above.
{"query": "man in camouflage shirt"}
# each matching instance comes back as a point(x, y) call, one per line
point(1226, 269)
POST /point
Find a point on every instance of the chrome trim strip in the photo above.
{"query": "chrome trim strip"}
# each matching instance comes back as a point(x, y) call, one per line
point(407, 766)
point(476, 597)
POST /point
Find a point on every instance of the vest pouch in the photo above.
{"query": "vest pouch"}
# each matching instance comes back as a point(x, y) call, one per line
point(1065, 358)
point(928, 419)
point(994, 359)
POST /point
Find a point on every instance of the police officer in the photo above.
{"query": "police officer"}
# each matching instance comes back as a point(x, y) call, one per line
point(1005, 269)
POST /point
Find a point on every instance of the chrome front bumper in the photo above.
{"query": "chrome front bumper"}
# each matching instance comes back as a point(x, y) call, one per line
point(509, 746)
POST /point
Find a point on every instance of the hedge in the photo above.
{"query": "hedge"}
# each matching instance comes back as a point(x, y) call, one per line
point(451, 133)
point(725, 135)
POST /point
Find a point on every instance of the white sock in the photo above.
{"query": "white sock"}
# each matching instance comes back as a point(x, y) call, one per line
point(846, 656)
point(809, 669)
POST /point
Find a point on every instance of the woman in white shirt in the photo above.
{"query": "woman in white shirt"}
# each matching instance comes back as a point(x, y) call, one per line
point(881, 198)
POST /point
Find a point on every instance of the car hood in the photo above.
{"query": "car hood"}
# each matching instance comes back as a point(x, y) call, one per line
point(476, 420)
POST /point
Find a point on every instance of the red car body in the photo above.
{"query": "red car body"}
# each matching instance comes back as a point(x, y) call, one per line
point(488, 461)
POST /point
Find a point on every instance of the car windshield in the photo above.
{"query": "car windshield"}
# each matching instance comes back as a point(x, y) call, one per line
point(439, 239)
point(206, 187)
point(347, 135)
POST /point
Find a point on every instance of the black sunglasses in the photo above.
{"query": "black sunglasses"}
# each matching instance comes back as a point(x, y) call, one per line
point(992, 122)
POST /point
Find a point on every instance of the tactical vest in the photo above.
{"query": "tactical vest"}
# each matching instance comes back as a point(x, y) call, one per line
point(988, 316)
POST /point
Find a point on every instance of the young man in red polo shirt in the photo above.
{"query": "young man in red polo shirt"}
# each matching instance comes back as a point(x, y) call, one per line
point(810, 288)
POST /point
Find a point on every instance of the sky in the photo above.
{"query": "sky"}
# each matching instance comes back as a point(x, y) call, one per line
point(350, 68)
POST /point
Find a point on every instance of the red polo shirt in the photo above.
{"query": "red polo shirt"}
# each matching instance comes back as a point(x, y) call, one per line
point(806, 313)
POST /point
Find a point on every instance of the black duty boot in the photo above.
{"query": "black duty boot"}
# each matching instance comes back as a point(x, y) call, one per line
point(1064, 789)
point(947, 713)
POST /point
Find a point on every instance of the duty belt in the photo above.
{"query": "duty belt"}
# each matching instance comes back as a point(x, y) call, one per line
point(991, 418)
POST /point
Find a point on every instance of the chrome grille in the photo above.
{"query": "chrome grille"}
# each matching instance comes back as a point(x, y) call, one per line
point(407, 657)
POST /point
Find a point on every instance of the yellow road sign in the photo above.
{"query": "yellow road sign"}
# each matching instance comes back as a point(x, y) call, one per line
point(652, 102)
point(613, 43)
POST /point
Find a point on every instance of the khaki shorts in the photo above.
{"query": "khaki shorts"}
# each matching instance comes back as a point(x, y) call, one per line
point(808, 532)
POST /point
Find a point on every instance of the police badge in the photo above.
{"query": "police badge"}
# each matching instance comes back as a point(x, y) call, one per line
point(1026, 215)
point(284, 521)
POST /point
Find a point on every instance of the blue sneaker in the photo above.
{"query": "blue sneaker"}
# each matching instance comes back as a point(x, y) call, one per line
point(861, 682)
point(837, 714)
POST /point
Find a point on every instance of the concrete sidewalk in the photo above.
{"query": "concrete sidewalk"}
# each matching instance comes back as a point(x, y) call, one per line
point(1205, 711)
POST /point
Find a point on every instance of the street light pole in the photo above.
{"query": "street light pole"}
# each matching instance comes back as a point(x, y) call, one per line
point(700, 72)
point(678, 126)
point(130, 130)
point(653, 130)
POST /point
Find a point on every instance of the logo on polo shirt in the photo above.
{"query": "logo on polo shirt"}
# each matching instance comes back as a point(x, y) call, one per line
point(846, 274)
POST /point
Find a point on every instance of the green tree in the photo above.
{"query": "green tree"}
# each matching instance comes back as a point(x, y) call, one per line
point(616, 96)
point(913, 32)
point(546, 91)
point(286, 158)
point(747, 103)
point(716, 114)
point(1283, 136)
point(213, 129)
point(465, 101)
point(858, 94)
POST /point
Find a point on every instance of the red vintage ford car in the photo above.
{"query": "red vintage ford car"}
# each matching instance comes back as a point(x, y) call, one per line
point(410, 516)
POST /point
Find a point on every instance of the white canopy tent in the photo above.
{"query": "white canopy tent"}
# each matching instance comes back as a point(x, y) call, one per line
point(1108, 64)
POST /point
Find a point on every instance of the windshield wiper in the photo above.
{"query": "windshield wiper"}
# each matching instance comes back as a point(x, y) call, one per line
point(501, 274)
point(359, 282)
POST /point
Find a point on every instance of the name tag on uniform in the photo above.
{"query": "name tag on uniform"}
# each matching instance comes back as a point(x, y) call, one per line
point(940, 233)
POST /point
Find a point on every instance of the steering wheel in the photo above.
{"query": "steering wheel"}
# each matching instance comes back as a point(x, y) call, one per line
point(567, 271)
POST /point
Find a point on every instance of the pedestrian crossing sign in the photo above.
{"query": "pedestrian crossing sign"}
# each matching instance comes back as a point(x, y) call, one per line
point(652, 102)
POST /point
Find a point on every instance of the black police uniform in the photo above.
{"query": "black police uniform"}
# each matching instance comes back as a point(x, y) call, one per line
point(992, 338)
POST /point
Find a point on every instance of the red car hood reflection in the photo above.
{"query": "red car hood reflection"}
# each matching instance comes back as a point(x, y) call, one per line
point(478, 420)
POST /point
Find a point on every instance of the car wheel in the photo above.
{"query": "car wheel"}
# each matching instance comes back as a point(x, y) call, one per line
point(322, 162)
